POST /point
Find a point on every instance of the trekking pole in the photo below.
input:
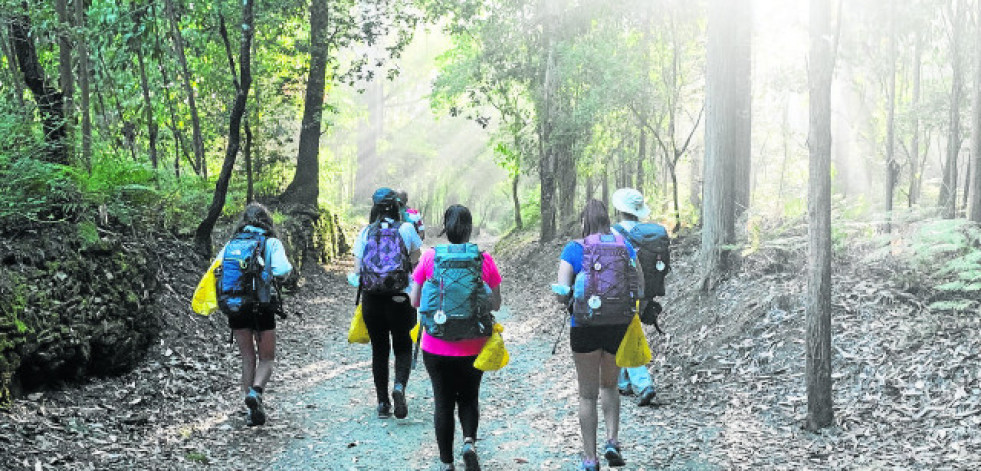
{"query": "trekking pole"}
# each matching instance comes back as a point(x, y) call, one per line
point(555, 345)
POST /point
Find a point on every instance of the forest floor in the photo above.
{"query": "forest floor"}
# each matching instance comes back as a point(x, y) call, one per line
point(729, 372)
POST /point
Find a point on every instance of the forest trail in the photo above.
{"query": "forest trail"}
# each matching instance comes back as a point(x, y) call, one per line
point(729, 374)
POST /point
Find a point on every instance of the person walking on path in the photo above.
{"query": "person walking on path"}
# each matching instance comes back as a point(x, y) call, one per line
point(630, 208)
point(384, 253)
point(411, 214)
point(600, 273)
point(456, 287)
point(252, 307)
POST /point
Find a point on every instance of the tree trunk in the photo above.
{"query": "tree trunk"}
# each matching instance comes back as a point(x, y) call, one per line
point(818, 305)
point(914, 160)
point(178, 40)
point(641, 158)
point(606, 186)
point(674, 193)
point(724, 129)
point(151, 123)
point(202, 235)
point(566, 172)
point(546, 160)
point(83, 83)
point(50, 101)
point(518, 224)
point(249, 190)
point(974, 204)
point(66, 75)
point(948, 190)
point(739, 165)
point(892, 168)
point(8, 50)
point(305, 187)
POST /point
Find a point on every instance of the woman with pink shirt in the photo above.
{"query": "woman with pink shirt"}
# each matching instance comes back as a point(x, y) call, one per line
point(457, 286)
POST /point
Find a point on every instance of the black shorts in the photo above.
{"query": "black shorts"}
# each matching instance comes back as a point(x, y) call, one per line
point(601, 337)
point(259, 321)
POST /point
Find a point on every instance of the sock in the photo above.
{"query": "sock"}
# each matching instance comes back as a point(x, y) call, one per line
point(257, 389)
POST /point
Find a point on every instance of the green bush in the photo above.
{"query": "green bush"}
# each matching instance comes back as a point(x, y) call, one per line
point(946, 259)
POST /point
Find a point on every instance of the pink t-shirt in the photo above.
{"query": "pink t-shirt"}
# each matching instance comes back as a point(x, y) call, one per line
point(458, 348)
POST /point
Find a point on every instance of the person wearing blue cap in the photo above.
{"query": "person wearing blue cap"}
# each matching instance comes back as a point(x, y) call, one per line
point(384, 254)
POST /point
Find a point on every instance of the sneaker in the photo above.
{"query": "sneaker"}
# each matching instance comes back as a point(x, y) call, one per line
point(625, 391)
point(447, 467)
point(611, 451)
point(470, 455)
point(646, 396)
point(588, 465)
point(398, 397)
point(257, 415)
point(384, 410)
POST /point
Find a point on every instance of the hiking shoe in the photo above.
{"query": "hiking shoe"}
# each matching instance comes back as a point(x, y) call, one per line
point(257, 415)
point(625, 391)
point(611, 451)
point(447, 467)
point(588, 465)
point(384, 410)
point(398, 397)
point(646, 396)
point(470, 455)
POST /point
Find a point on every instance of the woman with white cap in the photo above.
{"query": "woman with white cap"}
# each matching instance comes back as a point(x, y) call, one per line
point(631, 209)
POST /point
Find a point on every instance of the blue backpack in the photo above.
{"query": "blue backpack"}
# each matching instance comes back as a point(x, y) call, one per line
point(243, 283)
point(455, 302)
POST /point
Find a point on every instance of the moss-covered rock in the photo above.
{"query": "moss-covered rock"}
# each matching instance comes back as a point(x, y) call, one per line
point(74, 301)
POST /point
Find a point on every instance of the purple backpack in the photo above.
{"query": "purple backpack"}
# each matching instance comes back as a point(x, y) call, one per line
point(607, 286)
point(385, 262)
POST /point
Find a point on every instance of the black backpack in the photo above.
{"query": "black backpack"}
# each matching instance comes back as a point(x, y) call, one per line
point(653, 248)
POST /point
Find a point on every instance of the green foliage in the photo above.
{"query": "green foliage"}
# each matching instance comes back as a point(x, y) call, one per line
point(946, 259)
point(33, 191)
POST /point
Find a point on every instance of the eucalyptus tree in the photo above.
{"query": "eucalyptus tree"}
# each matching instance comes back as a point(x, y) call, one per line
point(727, 131)
point(335, 25)
point(948, 189)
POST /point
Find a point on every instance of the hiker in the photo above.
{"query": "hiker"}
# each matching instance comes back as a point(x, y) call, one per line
point(411, 214)
point(601, 274)
point(252, 307)
point(457, 286)
point(384, 253)
point(651, 241)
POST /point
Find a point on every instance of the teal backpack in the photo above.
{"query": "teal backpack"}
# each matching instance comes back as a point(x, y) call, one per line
point(455, 303)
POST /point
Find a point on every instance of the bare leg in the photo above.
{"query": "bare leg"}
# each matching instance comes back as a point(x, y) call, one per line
point(588, 372)
point(266, 341)
point(246, 348)
point(609, 395)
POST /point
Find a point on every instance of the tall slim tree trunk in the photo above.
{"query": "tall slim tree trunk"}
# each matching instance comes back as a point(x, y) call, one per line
point(974, 203)
point(606, 186)
point(83, 82)
point(178, 39)
point(151, 123)
point(249, 190)
point(725, 126)
point(892, 168)
point(820, 413)
point(66, 76)
point(547, 157)
point(914, 167)
point(305, 187)
point(948, 190)
point(518, 223)
point(567, 175)
point(739, 166)
point(641, 158)
point(50, 100)
point(8, 50)
point(202, 235)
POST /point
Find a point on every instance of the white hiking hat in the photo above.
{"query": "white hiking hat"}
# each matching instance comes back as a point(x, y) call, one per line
point(629, 200)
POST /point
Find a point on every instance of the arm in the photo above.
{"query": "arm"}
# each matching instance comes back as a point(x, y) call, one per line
point(495, 300)
point(640, 280)
point(566, 278)
point(279, 265)
point(415, 294)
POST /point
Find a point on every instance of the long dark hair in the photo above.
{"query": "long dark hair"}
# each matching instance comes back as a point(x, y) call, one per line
point(595, 218)
point(257, 215)
point(457, 224)
point(385, 209)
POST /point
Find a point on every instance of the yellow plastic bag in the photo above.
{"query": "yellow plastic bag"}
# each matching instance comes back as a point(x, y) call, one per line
point(205, 300)
point(358, 333)
point(634, 350)
point(414, 333)
point(493, 356)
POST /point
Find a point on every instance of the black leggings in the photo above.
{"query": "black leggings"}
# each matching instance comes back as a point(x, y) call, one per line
point(383, 317)
point(455, 381)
